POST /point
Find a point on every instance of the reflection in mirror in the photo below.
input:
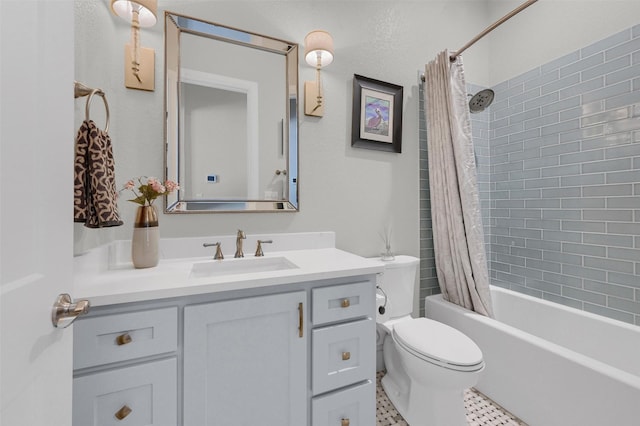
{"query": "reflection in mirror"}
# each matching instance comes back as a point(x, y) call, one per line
point(231, 124)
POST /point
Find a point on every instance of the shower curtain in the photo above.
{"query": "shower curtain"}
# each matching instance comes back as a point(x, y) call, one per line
point(461, 261)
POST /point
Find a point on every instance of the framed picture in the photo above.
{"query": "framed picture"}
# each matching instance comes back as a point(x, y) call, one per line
point(377, 115)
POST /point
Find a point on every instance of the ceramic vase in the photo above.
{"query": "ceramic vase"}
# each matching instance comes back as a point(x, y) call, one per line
point(146, 238)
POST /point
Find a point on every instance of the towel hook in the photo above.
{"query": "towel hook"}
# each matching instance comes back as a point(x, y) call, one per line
point(82, 90)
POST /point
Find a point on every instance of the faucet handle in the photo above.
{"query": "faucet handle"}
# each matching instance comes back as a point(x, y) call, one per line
point(259, 251)
point(218, 255)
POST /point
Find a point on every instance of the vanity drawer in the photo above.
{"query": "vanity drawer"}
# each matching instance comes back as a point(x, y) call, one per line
point(342, 355)
point(355, 406)
point(343, 302)
point(144, 395)
point(121, 337)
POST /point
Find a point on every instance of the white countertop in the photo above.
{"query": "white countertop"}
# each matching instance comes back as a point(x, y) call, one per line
point(105, 277)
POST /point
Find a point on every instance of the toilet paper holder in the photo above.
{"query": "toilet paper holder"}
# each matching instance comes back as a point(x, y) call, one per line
point(382, 309)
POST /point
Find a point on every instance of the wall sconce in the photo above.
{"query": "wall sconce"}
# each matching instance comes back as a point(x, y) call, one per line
point(139, 62)
point(318, 51)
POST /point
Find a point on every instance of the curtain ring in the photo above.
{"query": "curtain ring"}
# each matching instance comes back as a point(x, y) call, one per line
point(106, 106)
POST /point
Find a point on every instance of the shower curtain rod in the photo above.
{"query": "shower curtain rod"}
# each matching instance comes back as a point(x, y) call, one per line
point(490, 28)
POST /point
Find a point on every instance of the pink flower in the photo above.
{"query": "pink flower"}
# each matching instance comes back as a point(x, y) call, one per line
point(171, 186)
point(148, 191)
point(156, 185)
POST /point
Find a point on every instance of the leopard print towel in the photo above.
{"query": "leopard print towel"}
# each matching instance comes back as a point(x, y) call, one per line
point(94, 190)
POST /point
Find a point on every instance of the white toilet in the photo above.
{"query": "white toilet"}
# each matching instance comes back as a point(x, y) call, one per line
point(429, 364)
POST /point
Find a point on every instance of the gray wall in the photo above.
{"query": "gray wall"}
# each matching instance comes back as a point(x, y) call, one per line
point(355, 192)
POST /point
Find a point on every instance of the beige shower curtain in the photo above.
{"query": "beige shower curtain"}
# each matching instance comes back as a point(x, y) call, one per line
point(461, 261)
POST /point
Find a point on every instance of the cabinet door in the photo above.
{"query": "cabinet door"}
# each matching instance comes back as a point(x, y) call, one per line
point(245, 362)
point(141, 395)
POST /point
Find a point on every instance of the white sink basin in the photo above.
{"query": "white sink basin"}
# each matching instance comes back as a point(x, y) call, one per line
point(215, 268)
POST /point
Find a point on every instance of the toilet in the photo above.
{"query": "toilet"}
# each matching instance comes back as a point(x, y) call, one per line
point(429, 364)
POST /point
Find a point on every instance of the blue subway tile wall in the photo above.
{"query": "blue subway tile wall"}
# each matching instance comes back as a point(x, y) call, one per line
point(558, 159)
point(428, 278)
point(564, 170)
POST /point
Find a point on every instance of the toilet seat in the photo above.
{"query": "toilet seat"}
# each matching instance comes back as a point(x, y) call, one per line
point(438, 344)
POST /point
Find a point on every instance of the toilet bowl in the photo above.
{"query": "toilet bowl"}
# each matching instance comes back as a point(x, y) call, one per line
point(429, 364)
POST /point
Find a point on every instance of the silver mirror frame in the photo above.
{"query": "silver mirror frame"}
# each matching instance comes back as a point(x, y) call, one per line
point(175, 24)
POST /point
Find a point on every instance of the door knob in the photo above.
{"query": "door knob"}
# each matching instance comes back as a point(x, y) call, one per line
point(65, 311)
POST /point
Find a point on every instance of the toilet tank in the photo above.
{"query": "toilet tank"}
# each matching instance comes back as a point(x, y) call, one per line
point(398, 282)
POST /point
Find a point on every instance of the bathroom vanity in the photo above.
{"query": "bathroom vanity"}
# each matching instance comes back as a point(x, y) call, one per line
point(284, 339)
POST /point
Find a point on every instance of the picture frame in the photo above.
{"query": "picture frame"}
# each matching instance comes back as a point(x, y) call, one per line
point(377, 115)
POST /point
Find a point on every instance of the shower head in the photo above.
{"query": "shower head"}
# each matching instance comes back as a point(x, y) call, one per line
point(481, 100)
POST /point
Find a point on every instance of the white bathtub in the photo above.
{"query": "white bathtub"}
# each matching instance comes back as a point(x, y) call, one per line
point(552, 365)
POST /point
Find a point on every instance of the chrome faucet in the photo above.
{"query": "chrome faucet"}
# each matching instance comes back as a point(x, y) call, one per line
point(241, 236)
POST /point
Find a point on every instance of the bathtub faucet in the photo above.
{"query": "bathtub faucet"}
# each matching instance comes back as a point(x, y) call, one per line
point(241, 236)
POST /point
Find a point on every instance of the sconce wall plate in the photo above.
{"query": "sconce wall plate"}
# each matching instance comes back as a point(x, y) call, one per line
point(147, 57)
point(311, 106)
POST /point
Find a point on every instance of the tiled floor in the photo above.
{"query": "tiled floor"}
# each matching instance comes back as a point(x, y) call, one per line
point(481, 411)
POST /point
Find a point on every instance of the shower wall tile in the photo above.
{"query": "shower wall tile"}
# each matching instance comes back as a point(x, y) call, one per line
point(558, 161)
point(607, 43)
point(611, 313)
point(624, 99)
point(585, 296)
point(608, 240)
point(623, 74)
point(627, 48)
point(560, 62)
point(561, 105)
point(565, 179)
point(609, 289)
point(541, 80)
point(527, 76)
point(581, 65)
point(607, 68)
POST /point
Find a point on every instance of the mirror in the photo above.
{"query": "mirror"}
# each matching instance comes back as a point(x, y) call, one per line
point(231, 119)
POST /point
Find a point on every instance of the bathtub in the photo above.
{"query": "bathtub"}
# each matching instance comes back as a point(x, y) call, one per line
point(552, 365)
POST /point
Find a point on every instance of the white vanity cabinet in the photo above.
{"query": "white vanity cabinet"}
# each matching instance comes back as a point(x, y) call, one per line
point(296, 354)
point(245, 361)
